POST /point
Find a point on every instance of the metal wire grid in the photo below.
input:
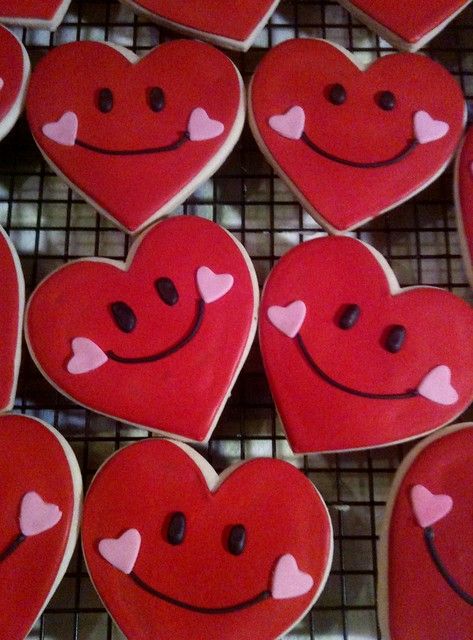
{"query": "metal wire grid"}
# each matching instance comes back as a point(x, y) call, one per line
point(50, 225)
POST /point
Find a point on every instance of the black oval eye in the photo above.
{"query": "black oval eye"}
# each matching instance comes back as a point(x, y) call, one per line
point(337, 94)
point(156, 99)
point(386, 100)
point(237, 540)
point(176, 528)
point(395, 338)
point(349, 317)
point(105, 100)
point(167, 291)
point(124, 316)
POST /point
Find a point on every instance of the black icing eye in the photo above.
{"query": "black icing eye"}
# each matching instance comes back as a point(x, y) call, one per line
point(349, 316)
point(156, 99)
point(167, 291)
point(337, 94)
point(237, 540)
point(176, 528)
point(124, 316)
point(395, 338)
point(105, 100)
point(386, 100)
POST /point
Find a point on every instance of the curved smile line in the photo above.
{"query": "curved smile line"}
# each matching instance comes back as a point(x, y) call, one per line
point(429, 538)
point(355, 392)
point(361, 165)
point(135, 152)
point(170, 350)
point(264, 595)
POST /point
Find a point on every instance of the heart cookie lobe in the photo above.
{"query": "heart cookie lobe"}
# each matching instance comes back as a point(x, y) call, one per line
point(425, 553)
point(158, 341)
point(135, 136)
point(239, 556)
point(353, 142)
point(43, 14)
point(40, 518)
point(463, 189)
point(14, 76)
point(353, 360)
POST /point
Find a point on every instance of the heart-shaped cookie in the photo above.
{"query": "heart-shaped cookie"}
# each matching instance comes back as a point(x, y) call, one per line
point(235, 26)
point(43, 14)
point(158, 341)
point(11, 320)
point(463, 189)
point(40, 493)
point(353, 142)
point(406, 25)
point(425, 586)
point(133, 136)
point(14, 76)
point(353, 360)
point(184, 552)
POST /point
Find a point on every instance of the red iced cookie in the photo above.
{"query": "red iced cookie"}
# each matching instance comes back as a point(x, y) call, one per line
point(157, 342)
point(183, 553)
point(133, 136)
point(405, 24)
point(353, 360)
point(14, 75)
point(464, 200)
point(44, 14)
point(426, 558)
point(11, 320)
point(234, 26)
point(40, 488)
point(353, 143)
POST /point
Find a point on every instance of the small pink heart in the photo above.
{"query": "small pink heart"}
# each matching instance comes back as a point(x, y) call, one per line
point(87, 356)
point(291, 124)
point(201, 127)
point(121, 552)
point(427, 129)
point(437, 387)
point(36, 515)
point(64, 130)
point(429, 508)
point(288, 580)
point(2, 83)
point(288, 319)
point(213, 286)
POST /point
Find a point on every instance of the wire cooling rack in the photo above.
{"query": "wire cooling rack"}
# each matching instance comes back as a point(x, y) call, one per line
point(50, 225)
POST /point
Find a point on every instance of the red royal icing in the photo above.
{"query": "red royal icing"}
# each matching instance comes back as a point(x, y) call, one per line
point(464, 200)
point(49, 12)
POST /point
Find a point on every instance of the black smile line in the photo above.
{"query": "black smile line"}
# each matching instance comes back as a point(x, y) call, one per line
point(264, 595)
point(167, 352)
point(362, 394)
point(13, 546)
point(136, 152)
point(429, 538)
point(411, 145)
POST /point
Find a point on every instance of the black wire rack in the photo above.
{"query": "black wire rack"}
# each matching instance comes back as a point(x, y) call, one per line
point(50, 225)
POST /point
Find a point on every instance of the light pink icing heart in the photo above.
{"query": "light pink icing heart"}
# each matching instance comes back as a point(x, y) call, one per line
point(291, 124)
point(2, 83)
point(288, 319)
point(429, 508)
point(87, 356)
point(213, 286)
point(64, 130)
point(437, 387)
point(201, 127)
point(427, 129)
point(36, 515)
point(288, 580)
point(121, 552)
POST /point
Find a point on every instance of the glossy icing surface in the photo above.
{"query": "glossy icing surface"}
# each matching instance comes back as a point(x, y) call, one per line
point(464, 200)
point(14, 70)
point(38, 10)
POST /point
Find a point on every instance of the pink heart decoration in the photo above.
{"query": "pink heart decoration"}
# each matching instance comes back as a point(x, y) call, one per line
point(288, 580)
point(291, 124)
point(429, 508)
point(121, 552)
point(64, 130)
point(288, 319)
point(437, 387)
point(201, 127)
point(37, 516)
point(87, 356)
point(213, 286)
point(427, 129)
point(2, 82)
